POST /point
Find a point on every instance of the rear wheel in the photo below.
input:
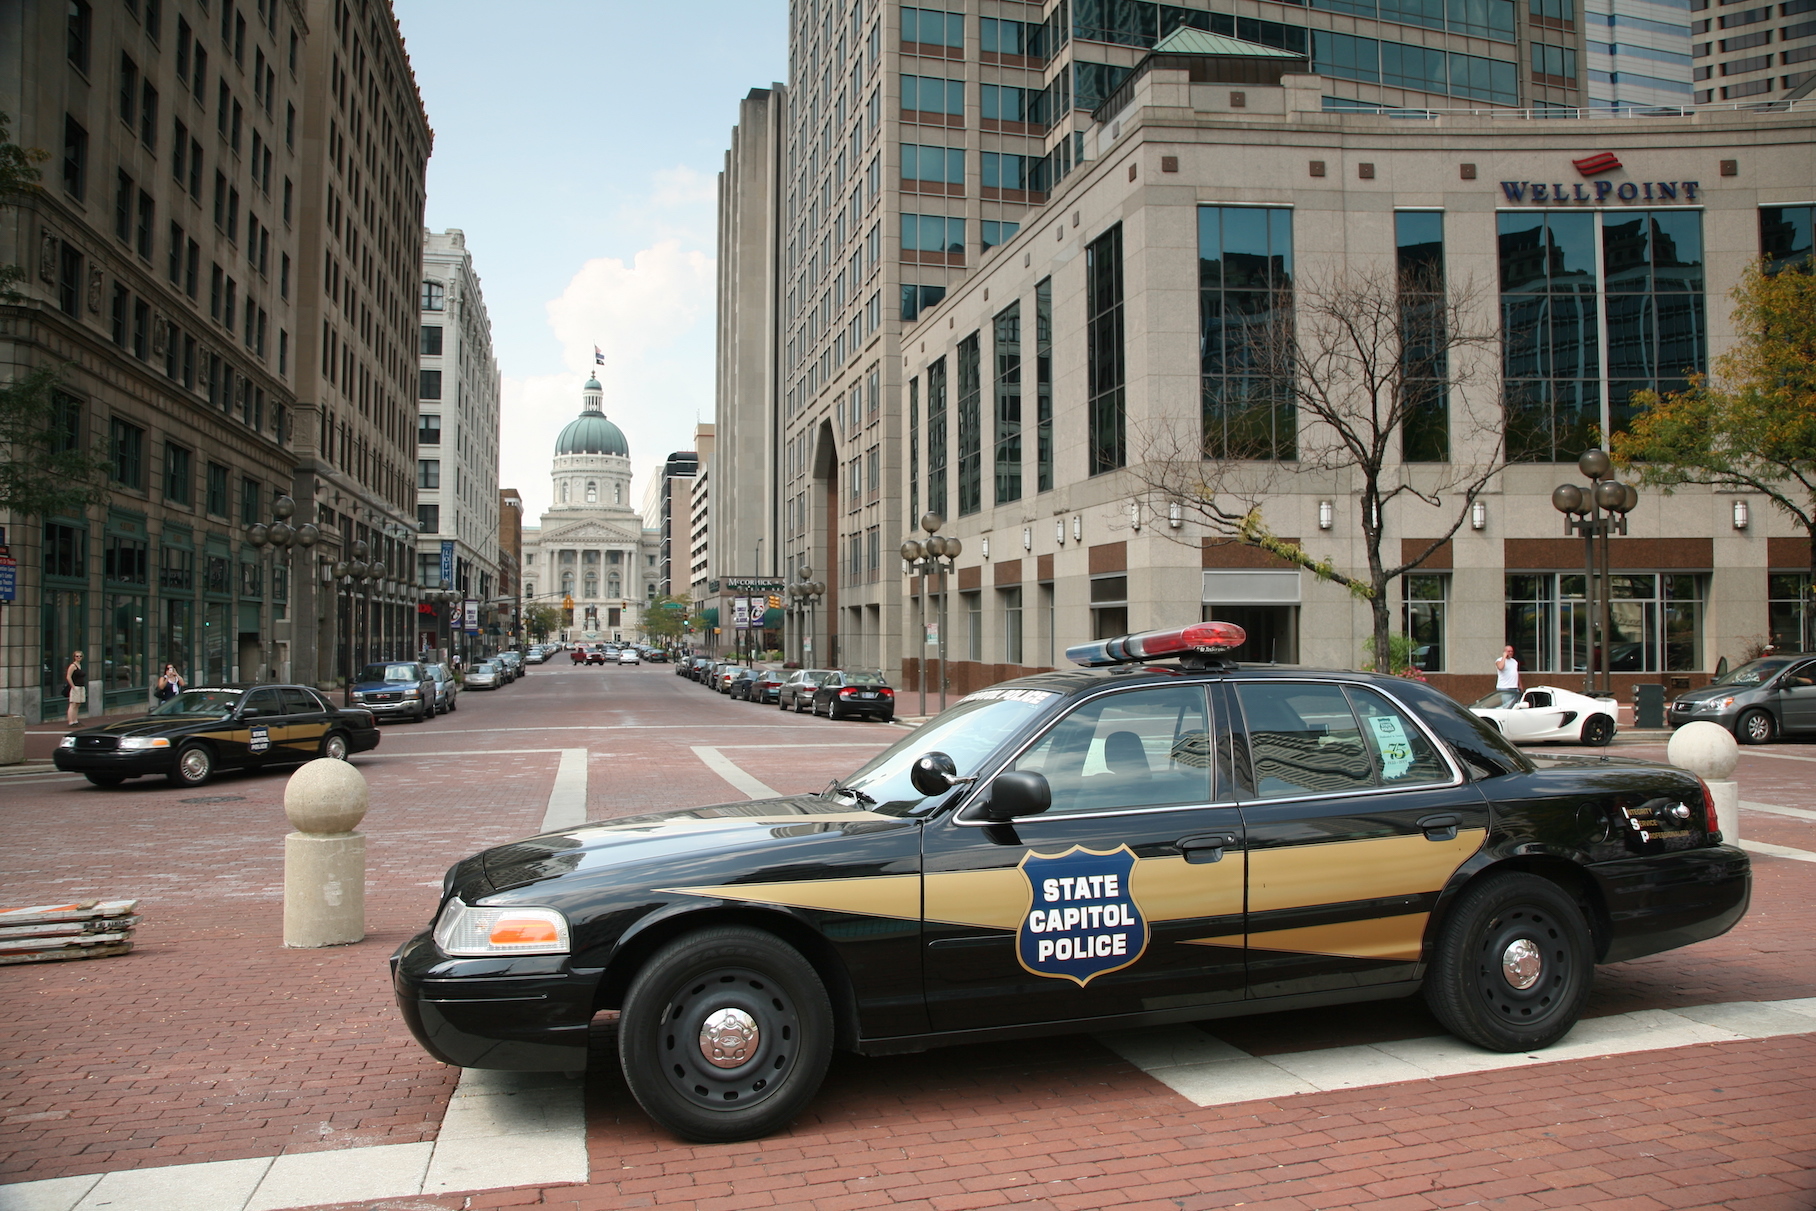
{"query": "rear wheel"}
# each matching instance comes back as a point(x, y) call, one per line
point(195, 766)
point(1513, 965)
point(1756, 727)
point(725, 1034)
point(1598, 731)
point(334, 746)
point(105, 779)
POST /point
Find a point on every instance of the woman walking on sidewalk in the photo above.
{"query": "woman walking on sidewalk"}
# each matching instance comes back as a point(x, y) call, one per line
point(170, 683)
point(75, 680)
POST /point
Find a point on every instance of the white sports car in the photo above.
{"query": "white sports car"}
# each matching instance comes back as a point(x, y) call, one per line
point(1546, 712)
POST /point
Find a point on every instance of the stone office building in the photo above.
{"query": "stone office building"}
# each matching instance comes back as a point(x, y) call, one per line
point(1033, 392)
point(161, 276)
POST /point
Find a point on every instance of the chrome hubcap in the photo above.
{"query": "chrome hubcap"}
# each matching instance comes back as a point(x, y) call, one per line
point(1520, 964)
point(728, 1038)
point(195, 763)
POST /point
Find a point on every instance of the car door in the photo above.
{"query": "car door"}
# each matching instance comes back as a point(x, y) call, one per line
point(262, 728)
point(1124, 896)
point(1529, 717)
point(1797, 697)
point(1356, 818)
point(305, 721)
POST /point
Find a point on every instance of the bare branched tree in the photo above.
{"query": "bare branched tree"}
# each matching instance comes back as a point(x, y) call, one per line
point(1363, 378)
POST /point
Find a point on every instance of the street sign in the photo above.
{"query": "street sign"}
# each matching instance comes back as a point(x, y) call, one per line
point(758, 585)
point(447, 563)
point(9, 577)
point(740, 613)
point(471, 618)
point(933, 634)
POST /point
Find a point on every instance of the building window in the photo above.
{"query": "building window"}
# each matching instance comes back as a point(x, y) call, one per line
point(433, 296)
point(1043, 385)
point(1643, 271)
point(931, 28)
point(127, 442)
point(69, 279)
point(916, 299)
point(1423, 598)
point(1109, 606)
point(428, 430)
point(251, 495)
point(1424, 359)
point(933, 239)
point(430, 385)
point(974, 625)
point(1245, 266)
point(1104, 348)
point(178, 473)
point(970, 427)
point(1655, 622)
point(1011, 601)
point(592, 492)
point(937, 166)
point(1785, 235)
point(431, 340)
point(79, 39)
point(428, 520)
point(217, 490)
point(932, 95)
point(997, 232)
point(1006, 330)
point(914, 452)
point(1790, 611)
point(428, 473)
point(936, 437)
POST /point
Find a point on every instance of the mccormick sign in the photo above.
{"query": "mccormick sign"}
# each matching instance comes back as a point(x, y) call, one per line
point(1599, 191)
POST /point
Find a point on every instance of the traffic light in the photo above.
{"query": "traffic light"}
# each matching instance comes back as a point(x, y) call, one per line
point(567, 603)
point(775, 601)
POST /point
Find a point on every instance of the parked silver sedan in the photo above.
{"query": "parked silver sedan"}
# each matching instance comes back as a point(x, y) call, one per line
point(486, 675)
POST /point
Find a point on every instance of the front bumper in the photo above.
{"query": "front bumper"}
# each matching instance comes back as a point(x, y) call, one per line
point(412, 707)
point(520, 1014)
point(1728, 718)
point(1662, 901)
point(133, 764)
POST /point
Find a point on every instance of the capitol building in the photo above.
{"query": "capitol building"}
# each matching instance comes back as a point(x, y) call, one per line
point(592, 547)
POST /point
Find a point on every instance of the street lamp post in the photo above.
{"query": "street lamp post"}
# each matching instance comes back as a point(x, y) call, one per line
point(349, 575)
point(277, 538)
point(807, 593)
point(934, 555)
point(1596, 512)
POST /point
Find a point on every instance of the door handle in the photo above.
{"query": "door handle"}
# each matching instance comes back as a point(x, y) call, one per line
point(1207, 848)
point(1441, 827)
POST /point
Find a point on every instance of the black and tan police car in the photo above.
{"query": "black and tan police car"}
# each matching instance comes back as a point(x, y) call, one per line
point(1122, 845)
point(211, 728)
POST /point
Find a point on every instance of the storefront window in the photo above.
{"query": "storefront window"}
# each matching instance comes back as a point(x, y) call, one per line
point(1425, 597)
point(1655, 622)
point(123, 657)
point(1790, 610)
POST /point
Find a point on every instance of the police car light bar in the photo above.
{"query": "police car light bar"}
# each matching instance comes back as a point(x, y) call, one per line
point(1157, 645)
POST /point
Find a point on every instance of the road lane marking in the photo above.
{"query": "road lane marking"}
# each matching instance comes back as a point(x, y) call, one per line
point(1777, 851)
point(723, 766)
point(501, 1129)
point(567, 798)
point(1209, 1072)
point(832, 744)
point(1777, 811)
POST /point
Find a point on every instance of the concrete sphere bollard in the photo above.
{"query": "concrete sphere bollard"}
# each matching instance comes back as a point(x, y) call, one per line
point(1710, 751)
point(325, 859)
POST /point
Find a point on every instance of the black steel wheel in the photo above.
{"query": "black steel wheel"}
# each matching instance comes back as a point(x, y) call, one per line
point(334, 746)
point(1513, 964)
point(194, 767)
point(1598, 731)
point(107, 780)
point(725, 1034)
point(1756, 727)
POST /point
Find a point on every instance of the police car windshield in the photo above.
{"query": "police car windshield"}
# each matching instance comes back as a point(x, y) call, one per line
point(968, 733)
point(215, 703)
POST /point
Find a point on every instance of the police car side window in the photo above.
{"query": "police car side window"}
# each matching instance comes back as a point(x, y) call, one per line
point(1144, 748)
point(1401, 753)
point(1303, 740)
point(265, 702)
point(297, 702)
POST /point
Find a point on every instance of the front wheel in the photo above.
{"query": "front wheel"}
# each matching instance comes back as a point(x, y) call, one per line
point(1756, 727)
point(195, 766)
point(725, 1034)
point(1598, 731)
point(1513, 965)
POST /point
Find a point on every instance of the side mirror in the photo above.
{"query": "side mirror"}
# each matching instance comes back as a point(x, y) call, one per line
point(251, 712)
point(1017, 793)
point(933, 773)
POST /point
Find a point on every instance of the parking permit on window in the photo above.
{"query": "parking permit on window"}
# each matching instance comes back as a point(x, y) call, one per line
point(1392, 744)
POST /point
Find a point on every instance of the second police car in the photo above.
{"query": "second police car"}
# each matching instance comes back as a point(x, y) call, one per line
point(1126, 844)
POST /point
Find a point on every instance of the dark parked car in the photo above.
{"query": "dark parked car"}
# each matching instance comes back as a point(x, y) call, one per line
point(655, 656)
point(767, 687)
point(796, 693)
point(396, 689)
point(207, 729)
point(861, 694)
point(742, 682)
point(1082, 851)
point(1759, 701)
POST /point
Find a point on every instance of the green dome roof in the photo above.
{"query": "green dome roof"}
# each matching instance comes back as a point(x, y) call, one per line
point(591, 433)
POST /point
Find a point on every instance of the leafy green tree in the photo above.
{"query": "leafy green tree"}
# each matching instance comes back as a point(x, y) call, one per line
point(665, 619)
point(541, 620)
point(1751, 425)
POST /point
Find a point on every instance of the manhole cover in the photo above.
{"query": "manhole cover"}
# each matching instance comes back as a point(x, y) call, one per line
point(216, 799)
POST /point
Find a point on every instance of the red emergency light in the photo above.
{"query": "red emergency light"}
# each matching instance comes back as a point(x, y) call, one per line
point(1205, 637)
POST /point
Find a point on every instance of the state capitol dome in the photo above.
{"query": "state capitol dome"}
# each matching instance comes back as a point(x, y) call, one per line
point(591, 432)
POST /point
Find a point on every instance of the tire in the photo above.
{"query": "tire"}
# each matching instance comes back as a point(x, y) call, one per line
point(194, 767)
point(1471, 985)
point(105, 780)
point(1756, 727)
point(453, 704)
point(1598, 731)
point(334, 746)
point(773, 991)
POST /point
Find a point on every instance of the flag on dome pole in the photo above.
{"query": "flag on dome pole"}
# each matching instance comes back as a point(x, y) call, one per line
point(598, 356)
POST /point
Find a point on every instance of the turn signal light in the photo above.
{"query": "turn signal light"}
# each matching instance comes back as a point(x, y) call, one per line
point(465, 930)
point(523, 931)
point(1157, 645)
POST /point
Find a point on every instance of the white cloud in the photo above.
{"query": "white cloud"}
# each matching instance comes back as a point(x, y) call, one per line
point(652, 321)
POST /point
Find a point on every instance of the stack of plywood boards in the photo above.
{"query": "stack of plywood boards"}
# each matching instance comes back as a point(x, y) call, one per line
point(89, 929)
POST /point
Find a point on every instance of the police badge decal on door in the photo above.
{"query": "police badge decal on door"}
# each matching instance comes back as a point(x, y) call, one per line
point(1083, 920)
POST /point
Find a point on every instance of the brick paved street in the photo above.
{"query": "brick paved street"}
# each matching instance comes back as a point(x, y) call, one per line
point(213, 1042)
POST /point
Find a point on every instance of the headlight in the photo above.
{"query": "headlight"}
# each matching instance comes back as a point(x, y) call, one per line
point(67, 742)
point(140, 742)
point(462, 930)
point(412, 693)
point(359, 695)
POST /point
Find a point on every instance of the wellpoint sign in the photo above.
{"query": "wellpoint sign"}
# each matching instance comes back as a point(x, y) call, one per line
point(1599, 191)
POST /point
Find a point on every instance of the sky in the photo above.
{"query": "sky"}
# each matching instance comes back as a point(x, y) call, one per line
point(578, 145)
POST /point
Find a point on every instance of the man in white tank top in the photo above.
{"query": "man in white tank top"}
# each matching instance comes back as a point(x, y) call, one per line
point(1507, 671)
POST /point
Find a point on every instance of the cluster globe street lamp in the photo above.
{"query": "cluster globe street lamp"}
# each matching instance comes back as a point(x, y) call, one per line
point(806, 594)
point(277, 539)
point(354, 575)
point(1596, 512)
point(933, 555)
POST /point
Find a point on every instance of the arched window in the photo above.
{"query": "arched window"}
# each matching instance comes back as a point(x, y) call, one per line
point(564, 492)
point(567, 584)
point(612, 584)
point(592, 585)
point(529, 590)
point(617, 494)
point(592, 492)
